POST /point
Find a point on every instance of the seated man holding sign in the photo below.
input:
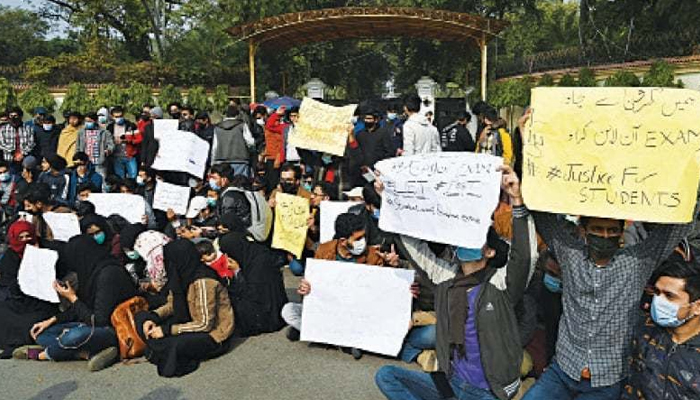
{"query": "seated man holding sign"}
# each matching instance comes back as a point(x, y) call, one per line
point(349, 245)
point(478, 346)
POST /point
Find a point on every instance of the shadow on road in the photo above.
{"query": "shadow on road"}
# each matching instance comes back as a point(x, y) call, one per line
point(162, 393)
point(57, 392)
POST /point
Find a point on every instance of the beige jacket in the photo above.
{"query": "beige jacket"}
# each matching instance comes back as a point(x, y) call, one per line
point(210, 309)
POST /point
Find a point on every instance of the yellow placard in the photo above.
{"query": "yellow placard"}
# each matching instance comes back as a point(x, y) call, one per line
point(322, 127)
point(291, 216)
point(624, 153)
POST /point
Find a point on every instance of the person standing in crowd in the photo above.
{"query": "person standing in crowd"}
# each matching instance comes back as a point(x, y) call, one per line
point(478, 346)
point(665, 354)
point(67, 141)
point(375, 142)
point(232, 143)
point(149, 144)
point(456, 137)
point(127, 141)
point(203, 126)
point(174, 110)
point(39, 114)
point(186, 119)
point(274, 147)
point(46, 136)
point(83, 173)
point(495, 139)
point(394, 123)
point(419, 135)
point(96, 142)
point(16, 140)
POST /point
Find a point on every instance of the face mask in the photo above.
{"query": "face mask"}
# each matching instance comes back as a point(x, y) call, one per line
point(213, 185)
point(289, 188)
point(465, 254)
point(369, 125)
point(16, 121)
point(211, 202)
point(358, 247)
point(665, 313)
point(391, 116)
point(102, 119)
point(192, 182)
point(108, 188)
point(5, 176)
point(552, 283)
point(47, 127)
point(90, 125)
point(140, 181)
point(307, 186)
point(100, 237)
point(353, 120)
point(132, 255)
point(175, 115)
point(260, 121)
point(375, 214)
point(327, 159)
point(120, 121)
point(145, 117)
point(602, 248)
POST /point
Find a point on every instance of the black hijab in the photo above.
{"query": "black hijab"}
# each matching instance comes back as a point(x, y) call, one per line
point(183, 266)
point(86, 258)
point(101, 222)
point(128, 235)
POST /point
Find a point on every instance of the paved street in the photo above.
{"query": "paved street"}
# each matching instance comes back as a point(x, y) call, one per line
point(264, 367)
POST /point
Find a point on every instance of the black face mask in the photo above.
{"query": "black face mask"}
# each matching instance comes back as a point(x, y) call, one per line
point(369, 125)
point(175, 115)
point(289, 188)
point(145, 117)
point(602, 248)
point(16, 121)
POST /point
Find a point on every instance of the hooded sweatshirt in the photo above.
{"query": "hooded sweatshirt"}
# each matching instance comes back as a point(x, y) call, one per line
point(420, 136)
point(231, 141)
point(67, 143)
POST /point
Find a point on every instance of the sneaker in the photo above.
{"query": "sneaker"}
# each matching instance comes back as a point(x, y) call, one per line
point(428, 360)
point(103, 359)
point(293, 334)
point(30, 352)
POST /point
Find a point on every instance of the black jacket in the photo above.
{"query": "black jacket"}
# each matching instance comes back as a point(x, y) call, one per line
point(149, 146)
point(375, 145)
point(456, 137)
point(46, 141)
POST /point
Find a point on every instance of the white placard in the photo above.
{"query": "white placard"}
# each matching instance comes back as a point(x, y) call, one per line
point(37, 272)
point(356, 305)
point(160, 126)
point(329, 212)
point(171, 196)
point(182, 151)
point(63, 225)
point(441, 197)
point(130, 206)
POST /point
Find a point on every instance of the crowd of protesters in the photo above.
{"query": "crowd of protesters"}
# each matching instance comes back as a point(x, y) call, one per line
point(550, 307)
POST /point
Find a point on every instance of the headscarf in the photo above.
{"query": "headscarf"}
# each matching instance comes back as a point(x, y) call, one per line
point(232, 222)
point(101, 222)
point(128, 235)
point(13, 233)
point(86, 258)
point(149, 245)
point(183, 266)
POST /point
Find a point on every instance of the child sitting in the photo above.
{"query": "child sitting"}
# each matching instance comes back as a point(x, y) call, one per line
point(224, 266)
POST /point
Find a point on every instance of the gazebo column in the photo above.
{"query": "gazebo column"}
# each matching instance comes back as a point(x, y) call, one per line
point(252, 48)
point(484, 65)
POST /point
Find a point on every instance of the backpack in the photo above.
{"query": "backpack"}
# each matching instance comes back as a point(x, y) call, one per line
point(260, 213)
point(130, 343)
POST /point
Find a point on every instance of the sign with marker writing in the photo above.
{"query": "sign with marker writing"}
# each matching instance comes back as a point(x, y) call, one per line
point(624, 153)
point(291, 223)
point(440, 197)
point(181, 151)
point(322, 127)
point(356, 305)
point(169, 196)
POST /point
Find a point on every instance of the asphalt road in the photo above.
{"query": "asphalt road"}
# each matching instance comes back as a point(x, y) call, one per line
point(263, 367)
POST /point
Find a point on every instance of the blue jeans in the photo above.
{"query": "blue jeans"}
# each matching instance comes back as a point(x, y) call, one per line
point(402, 384)
point(63, 342)
point(554, 384)
point(125, 166)
point(418, 339)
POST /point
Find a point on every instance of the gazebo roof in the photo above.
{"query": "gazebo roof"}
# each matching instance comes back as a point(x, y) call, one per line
point(294, 29)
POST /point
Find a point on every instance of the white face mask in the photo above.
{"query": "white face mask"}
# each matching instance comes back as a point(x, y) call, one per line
point(260, 121)
point(358, 247)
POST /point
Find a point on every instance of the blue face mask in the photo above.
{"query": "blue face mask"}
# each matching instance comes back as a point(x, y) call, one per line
point(665, 313)
point(375, 214)
point(132, 255)
point(327, 159)
point(211, 202)
point(213, 185)
point(307, 186)
point(5, 176)
point(120, 121)
point(99, 237)
point(465, 254)
point(90, 125)
point(552, 283)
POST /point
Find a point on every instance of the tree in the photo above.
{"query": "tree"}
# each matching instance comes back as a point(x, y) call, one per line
point(110, 95)
point(8, 98)
point(37, 95)
point(169, 94)
point(138, 95)
point(586, 78)
point(77, 99)
point(220, 99)
point(622, 79)
point(660, 74)
point(567, 81)
point(546, 80)
point(21, 35)
point(197, 98)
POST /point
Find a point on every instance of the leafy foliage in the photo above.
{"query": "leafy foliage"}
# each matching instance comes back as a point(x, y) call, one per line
point(37, 95)
point(77, 99)
point(110, 95)
point(586, 78)
point(567, 81)
point(220, 98)
point(139, 95)
point(660, 74)
point(513, 92)
point(197, 98)
point(623, 79)
point(169, 94)
point(546, 80)
point(8, 98)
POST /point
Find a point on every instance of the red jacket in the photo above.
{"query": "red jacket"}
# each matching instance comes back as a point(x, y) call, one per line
point(274, 138)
